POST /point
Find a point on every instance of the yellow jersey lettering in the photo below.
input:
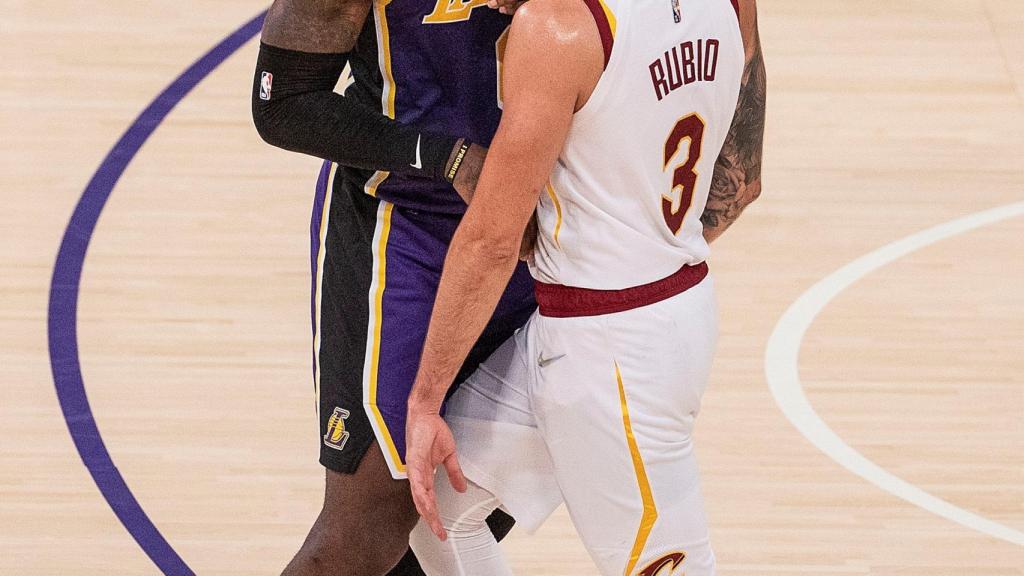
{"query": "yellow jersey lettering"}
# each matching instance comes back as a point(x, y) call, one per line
point(447, 11)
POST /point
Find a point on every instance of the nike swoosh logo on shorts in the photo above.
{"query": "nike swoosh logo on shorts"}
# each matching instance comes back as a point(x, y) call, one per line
point(544, 362)
point(417, 164)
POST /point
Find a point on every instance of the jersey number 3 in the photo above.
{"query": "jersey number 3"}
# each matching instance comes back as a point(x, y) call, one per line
point(676, 203)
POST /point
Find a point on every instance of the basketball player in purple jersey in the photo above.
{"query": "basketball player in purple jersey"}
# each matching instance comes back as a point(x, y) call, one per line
point(403, 149)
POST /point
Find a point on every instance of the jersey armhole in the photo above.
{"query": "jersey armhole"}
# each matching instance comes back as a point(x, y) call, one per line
point(736, 7)
point(609, 24)
point(605, 20)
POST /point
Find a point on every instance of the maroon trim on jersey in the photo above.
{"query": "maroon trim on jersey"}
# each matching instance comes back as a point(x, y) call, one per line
point(557, 301)
point(604, 28)
point(736, 7)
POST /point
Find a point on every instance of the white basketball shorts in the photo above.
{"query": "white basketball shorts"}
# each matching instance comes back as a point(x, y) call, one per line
point(599, 411)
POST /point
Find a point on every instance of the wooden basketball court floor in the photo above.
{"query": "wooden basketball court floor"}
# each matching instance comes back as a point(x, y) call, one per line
point(863, 418)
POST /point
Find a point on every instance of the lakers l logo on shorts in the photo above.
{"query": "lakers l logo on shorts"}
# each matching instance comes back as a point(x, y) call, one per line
point(670, 561)
point(336, 436)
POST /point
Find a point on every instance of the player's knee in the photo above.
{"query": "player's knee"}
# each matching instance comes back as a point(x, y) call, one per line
point(422, 541)
point(465, 541)
point(357, 552)
point(458, 528)
point(365, 564)
point(470, 549)
point(465, 514)
point(367, 535)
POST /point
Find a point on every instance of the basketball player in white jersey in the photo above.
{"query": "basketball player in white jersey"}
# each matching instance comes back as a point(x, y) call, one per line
point(638, 124)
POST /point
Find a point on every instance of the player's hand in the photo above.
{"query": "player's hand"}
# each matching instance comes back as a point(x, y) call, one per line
point(505, 6)
point(469, 172)
point(529, 240)
point(429, 442)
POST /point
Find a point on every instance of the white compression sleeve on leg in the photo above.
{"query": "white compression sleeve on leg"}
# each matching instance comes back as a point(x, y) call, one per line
point(471, 549)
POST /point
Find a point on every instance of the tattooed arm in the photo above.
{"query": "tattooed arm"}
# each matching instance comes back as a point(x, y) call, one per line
point(324, 26)
point(737, 179)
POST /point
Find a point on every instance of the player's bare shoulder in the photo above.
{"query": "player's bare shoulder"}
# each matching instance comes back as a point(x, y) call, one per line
point(555, 24)
point(325, 26)
point(561, 37)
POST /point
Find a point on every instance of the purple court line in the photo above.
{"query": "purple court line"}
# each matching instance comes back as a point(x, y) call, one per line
point(63, 311)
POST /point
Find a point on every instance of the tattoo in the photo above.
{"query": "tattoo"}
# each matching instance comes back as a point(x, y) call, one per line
point(737, 178)
point(321, 26)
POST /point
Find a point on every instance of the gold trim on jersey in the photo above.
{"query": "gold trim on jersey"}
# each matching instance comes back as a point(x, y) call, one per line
point(499, 57)
point(374, 181)
point(558, 212)
point(387, 95)
point(650, 514)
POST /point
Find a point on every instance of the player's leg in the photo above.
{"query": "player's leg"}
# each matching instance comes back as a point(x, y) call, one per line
point(471, 547)
point(360, 491)
point(499, 524)
point(617, 412)
point(340, 541)
point(409, 248)
point(505, 460)
point(345, 507)
point(514, 308)
point(375, 270)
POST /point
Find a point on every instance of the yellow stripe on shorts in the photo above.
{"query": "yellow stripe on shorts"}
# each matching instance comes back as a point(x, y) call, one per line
point(650, 514)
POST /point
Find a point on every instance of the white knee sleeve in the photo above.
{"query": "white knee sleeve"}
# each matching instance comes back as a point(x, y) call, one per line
point(471, 549)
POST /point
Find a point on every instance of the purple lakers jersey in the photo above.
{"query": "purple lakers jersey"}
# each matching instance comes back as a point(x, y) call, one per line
point(433, 65)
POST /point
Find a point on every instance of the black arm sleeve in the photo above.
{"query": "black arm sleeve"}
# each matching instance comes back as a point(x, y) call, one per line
point(294, 107)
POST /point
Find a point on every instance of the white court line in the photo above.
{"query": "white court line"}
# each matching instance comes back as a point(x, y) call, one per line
point(782, 370)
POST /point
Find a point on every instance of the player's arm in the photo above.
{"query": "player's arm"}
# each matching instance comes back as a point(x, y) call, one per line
point(552, 61)
point(737, 178)
point(553, 56)
point(304, 49)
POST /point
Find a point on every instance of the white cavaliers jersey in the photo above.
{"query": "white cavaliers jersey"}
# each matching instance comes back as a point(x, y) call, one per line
point(624, 201)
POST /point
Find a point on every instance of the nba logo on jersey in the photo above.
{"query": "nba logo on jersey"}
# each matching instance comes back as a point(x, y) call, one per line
point(337, 436)
point(677, 14)
point(265, 83)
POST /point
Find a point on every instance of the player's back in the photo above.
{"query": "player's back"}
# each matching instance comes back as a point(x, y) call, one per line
point(624, 201)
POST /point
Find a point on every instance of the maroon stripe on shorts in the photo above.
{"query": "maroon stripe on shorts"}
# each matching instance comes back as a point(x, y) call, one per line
point(604, 28)
point(557, 301)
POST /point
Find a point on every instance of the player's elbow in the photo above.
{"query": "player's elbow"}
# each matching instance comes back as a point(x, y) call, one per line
point(753, 191)
point(266, 119)
point(491, 243)
point(497, 250)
